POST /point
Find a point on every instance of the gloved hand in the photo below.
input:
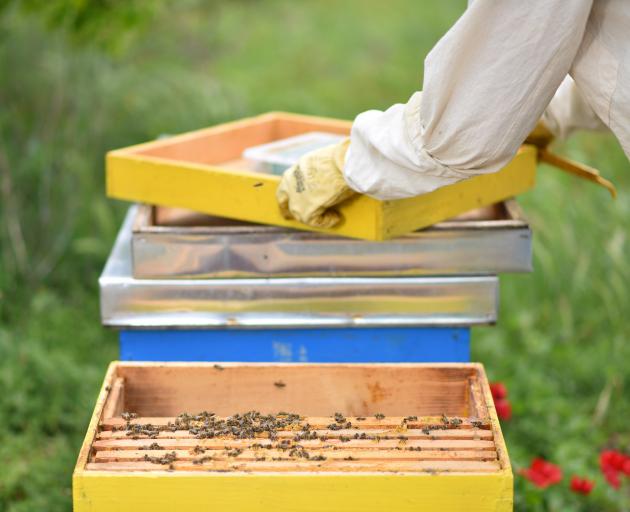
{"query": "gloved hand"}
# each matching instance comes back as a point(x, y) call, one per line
point(310, 189)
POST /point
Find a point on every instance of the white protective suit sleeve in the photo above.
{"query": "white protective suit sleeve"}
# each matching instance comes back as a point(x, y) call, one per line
point(601, 71)
point(487, 82)
point(569, 111)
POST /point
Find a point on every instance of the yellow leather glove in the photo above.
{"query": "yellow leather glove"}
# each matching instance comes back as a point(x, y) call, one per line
point(309, 189)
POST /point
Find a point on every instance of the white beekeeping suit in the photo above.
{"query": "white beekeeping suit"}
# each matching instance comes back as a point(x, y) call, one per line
point(486, 84)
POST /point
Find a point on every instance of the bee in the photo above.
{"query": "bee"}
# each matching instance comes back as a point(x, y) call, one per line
point(339, 418)
point(350, 458)
point(299, 452)
point(166, 459)
point(456, 422)
point(202, 460)
point(379, 416)
point(128, 416)
point(318, 458)
point(411, 418)
point(476, 423)
point(360, 418)
point(403, 427)
point(279, 384)
point(218, 367)
point(285, 444)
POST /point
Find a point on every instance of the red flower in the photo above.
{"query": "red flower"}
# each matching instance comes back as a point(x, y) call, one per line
point(582, 485)
point(612, 477)
point(611, 459)
point(612, 463)
point(504, 409)
point(542, 473)
point(498, 390)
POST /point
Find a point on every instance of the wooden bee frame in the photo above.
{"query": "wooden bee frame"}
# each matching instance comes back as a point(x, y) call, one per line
point(408, 437)
point(203, 171)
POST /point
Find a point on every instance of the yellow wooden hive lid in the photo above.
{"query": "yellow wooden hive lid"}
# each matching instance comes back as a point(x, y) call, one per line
point(204, 170)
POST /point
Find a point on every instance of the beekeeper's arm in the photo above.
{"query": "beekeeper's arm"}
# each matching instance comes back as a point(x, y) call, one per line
point(598, 95)
point(486, 83)
point(569, 112)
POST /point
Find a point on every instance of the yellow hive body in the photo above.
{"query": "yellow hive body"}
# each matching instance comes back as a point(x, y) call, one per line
point(159, 390)
point(204, 171)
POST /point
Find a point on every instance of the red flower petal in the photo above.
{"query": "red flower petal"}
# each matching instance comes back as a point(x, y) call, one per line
point(542, 473)
point(538, 479)
point(617, 460)
point(612, 459)
point(581, 485)
point(503, 408)
point(498, 390)
point(587, 486)
point(612, 477)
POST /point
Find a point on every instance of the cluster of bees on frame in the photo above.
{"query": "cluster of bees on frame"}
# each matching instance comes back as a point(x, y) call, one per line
point(254, 425)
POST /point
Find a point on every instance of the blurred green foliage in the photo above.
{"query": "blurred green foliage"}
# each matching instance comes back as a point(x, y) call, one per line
point(80, 77)
point(105, 23)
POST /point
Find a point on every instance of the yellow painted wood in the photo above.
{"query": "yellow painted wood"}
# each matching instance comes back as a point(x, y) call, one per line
point(403, 216)
point(134, 175)
point(279, 493)
point(239, 195)
point(96, 418)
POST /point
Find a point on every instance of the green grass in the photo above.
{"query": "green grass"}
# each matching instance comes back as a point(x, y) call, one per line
point(561, 344)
